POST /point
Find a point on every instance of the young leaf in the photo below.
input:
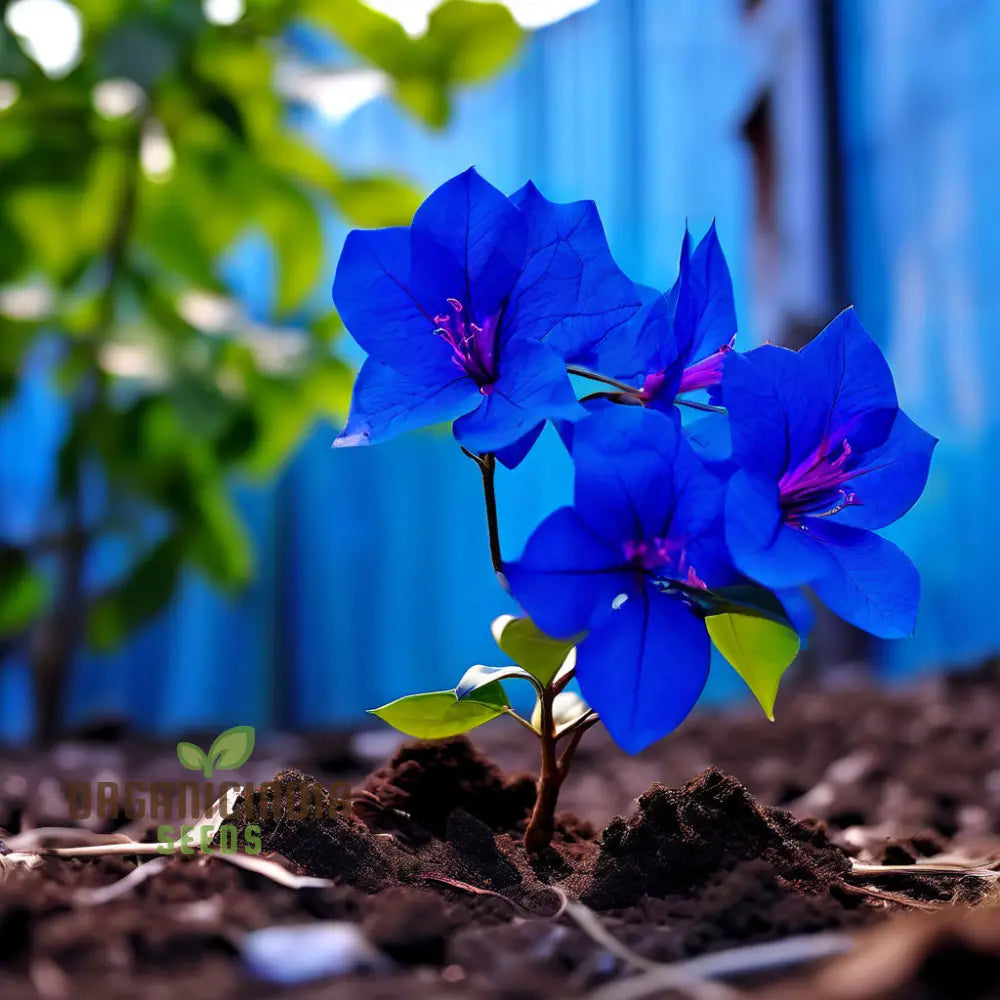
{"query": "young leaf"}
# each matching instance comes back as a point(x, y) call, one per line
point(191, 756)
point(438, 714)
point(477, 677)
point(526, 644)
point(568, 708)
point(758, 649)
point(232, 748)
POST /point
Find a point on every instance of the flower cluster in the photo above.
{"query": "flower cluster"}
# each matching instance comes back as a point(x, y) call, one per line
point(480, 312)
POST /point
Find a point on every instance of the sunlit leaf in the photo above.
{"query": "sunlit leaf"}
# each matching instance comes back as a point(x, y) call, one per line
point(527, 645)
point(439, 714)
point(758, 649)
point(477, 677)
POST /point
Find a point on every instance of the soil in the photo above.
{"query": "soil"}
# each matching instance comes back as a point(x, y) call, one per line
point(731, 832)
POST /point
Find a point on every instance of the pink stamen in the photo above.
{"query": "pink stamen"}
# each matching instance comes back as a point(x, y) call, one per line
point(707, 372)
point(815, 488)
point(473, 346)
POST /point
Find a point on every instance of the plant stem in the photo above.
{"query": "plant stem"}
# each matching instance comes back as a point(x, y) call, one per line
point(488, 467)
point(607, 380)
point(706, 407)
point(541, 826)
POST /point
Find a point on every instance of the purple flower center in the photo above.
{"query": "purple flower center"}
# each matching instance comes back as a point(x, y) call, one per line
point(473, 346)
point(705, 373)
point(652, 385)
point(815, 488)
point(662, 557)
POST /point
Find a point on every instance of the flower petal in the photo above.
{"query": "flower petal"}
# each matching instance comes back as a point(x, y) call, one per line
point(872, 584)
point(513, 455)
point(624, 458)
point(533, 386)
point(705, 313)
point(467, 243)
point(571, 294)
point(892, 478)
point(644, 668)
point(387, 402)
point(758, 426)
point(762, 545)
point(850, 383)
point(567, 577)
point(386, 313)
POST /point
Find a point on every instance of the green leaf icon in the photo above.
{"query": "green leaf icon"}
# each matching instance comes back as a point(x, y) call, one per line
point(760, 650)
point(191, 756)
point(437, 714)
point(232, 748)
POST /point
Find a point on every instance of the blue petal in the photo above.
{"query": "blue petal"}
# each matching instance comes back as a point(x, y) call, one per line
point(387, 402)
point(758, 426)
point(710, 436)
point(533, 387)
point(895, 477)
point(872, 584)
point(799, 610)
point(571, 294)
point(568, 577)
point(705, 312)
point(467, 243)
point(850, 383)
point(762, 545)
point(624, 458)
point(380, 306)
point(643, 345)
point(644, 668)
point(514, 455)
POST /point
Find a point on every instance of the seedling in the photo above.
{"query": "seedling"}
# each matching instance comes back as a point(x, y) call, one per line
point(683, 533)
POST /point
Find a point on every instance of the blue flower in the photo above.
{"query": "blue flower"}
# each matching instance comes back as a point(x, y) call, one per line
point(645, 517)
point(472, 313)
point(679, 343)
point(825, 455)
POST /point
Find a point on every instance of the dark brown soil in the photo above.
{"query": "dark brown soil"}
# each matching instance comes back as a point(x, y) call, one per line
point(742, 833)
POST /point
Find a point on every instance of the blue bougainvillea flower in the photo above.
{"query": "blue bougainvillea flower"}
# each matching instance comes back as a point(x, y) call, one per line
point(679, 342)
point(825, 456)
point(472, 313)
point(646, 517)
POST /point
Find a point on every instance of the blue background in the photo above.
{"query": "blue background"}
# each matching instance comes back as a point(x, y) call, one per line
point(373, 570)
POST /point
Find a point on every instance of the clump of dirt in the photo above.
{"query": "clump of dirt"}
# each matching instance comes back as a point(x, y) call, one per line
point(681, 839)
point(425, 782)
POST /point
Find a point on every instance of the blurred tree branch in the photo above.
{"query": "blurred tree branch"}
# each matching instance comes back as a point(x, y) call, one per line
point(126, 180)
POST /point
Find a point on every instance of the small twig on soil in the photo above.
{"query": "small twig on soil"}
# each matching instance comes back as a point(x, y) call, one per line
point(107, 893)
point(890, 897)
point(273, 871)
point(8, 862)
point(694, 977)
point(33, 840)
point(929, 867)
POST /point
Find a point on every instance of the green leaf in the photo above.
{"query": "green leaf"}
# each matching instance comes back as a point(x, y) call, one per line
point(139, 596)
point(232, 748)
point(529, 646)
point(758, 649)
point(191, 756)
point(23, 592)
point(479, 676)
point(438, 714)
point(568, 708)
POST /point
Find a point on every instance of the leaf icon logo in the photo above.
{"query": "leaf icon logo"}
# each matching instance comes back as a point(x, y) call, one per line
point(229, 750)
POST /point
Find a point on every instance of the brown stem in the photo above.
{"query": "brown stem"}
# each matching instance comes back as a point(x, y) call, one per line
point(541, 826)
point(488, 467)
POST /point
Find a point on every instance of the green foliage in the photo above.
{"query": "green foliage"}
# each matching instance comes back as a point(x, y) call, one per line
point(439, 714)
point(477, 677)
point(117, 253)
point(539, 654)
point(758, 648)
